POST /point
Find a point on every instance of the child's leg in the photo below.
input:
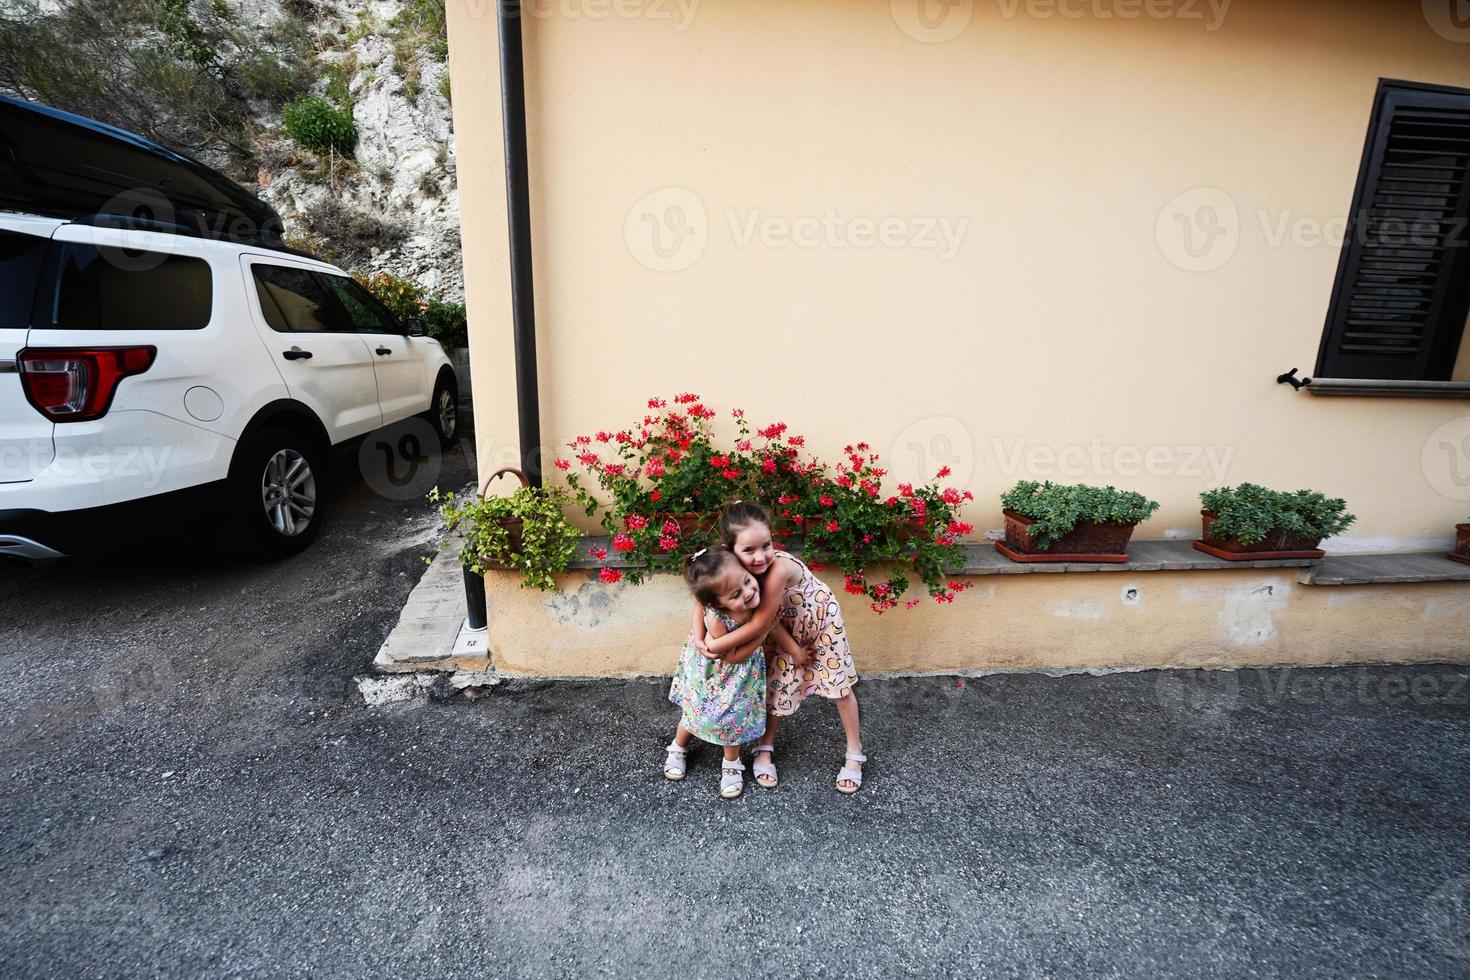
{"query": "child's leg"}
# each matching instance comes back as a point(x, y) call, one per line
point(762, 759)
point(674, 763)
point(847, 710)
point(732, 781)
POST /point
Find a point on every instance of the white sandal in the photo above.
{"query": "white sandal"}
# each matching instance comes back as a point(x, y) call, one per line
point(767, 769)
point(674, 764)
point(849, 774)
point(732, 783)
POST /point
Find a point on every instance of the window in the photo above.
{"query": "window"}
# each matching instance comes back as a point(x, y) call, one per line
point(363, 309)
point(294, 300)
point(111, 288)
point(1399, 306)
point(21, 257)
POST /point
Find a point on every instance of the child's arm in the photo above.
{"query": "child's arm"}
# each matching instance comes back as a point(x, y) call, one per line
point(698, 632)
point(759, 624)
point(738, 655)
point(789, 646)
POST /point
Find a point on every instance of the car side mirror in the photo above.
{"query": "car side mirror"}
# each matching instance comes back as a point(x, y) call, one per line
point(416, 328)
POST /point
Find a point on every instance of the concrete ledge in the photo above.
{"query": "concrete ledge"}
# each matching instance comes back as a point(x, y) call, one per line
point(981, 558)
point(428, 635)
point(1385, 569)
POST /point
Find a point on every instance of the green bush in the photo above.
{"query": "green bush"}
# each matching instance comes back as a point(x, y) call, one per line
point(1249, 513)
point(321, 126)
point(1055, 509)
point(446, 323)
point(405, 299)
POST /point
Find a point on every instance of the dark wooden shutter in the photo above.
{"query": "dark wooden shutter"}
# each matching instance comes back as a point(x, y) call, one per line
point(1403, 282)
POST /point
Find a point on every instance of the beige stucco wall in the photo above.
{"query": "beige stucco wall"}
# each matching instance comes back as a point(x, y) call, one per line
point(1231, 618)
point(1069, 321)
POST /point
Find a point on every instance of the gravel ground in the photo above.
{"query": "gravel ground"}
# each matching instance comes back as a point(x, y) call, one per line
point(193, 788)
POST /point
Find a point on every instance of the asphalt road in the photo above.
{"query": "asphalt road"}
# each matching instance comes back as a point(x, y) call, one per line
point(193, 788)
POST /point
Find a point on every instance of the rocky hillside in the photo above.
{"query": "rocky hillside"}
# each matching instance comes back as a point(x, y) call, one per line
point(214, 78)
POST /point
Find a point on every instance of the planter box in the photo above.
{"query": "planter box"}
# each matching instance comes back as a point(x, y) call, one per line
point(1277, 544)
point(1462, 544)
point(1107, 543)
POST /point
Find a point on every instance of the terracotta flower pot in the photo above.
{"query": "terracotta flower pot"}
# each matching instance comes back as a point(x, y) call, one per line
point(514, 526)
point(1087, 542)
point(1277, 544)
point(1462, 544)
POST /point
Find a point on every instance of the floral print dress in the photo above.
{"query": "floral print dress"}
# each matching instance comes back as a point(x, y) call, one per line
point(810, 612)
point(723, 703)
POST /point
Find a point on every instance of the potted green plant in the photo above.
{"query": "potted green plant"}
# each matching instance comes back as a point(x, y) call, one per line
point(1250, 522)
point(526, 531)
point(1057, 522)
point(1462, 544)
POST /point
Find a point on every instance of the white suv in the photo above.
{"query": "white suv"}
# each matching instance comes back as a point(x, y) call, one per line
point(141, 371)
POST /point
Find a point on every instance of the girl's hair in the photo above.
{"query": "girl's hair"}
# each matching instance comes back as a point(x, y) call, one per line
point(738, 516)
point(703, 571)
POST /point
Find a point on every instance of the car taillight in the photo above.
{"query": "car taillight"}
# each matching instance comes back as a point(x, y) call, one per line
point(68, 384)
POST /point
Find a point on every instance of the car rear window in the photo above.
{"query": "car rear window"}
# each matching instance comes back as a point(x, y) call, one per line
point(111, 288)
point(294, 300)
point(21, 257)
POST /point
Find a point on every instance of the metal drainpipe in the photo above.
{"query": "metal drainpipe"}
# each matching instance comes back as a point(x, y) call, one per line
point(518, 199)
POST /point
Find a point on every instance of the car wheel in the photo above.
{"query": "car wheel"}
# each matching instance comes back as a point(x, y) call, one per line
point(443, 413)
point(276, 483)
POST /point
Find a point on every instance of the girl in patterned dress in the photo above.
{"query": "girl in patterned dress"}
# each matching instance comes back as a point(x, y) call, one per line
point(723, 697)
point(798, 600)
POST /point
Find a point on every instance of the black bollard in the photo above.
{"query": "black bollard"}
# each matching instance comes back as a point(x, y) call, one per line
point(474, 599)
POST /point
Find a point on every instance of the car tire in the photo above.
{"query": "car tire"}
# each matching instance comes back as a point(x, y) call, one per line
point(443, 413)
point(276, 483)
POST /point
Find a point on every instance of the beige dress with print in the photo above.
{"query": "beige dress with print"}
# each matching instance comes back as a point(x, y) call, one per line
point(810, 612)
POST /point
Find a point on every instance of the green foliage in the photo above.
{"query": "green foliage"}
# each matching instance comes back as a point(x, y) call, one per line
point(444, 87)
point(321, 126)
point(272, 78)
point(403, 298)
point(1055, 509)
point(160, 68)
point(441, 319)
point(421, 24)
point(1250, 513)
point(446, 322)
point(337, 78)
point(547, 544)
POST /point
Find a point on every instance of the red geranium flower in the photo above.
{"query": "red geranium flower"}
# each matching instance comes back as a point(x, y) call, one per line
point(943, 472)
point(599, 553)
point(563, 464)
point(636, 522)
point(610, 575)
point(832, 526)
point(622, 541)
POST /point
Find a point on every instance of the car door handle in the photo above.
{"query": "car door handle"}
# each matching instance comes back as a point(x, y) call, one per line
point(385, 350)
point(296, 354)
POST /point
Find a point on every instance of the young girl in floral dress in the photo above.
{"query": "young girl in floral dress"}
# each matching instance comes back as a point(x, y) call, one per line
point(723, 697)
point(798, 600)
